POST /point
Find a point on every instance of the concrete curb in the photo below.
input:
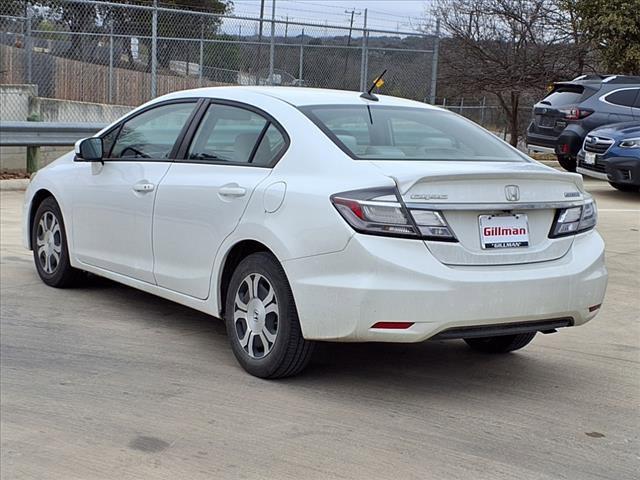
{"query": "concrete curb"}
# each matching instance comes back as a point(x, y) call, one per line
point(14, 184)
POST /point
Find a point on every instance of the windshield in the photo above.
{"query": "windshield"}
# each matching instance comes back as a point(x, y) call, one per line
point(404, 133)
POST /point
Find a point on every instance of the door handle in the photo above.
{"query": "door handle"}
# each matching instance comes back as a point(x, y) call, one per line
point(232, 191)
point(143, 187)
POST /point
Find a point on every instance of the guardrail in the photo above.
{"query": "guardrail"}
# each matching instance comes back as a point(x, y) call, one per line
point(45, 134)
point(34, 135)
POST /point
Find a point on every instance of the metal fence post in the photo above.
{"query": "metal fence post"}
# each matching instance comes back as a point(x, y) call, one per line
point(272, 47)
point(461, 105)
point(434, 64)
point(301, 64)
point(201, 54)
point(111, 59)
point(484, 101)
point(363, 60)
point(28, 44)
point(154, 50)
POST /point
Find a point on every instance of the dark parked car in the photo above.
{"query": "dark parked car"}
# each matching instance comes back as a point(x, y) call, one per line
point(612, 153)
point(562, 119)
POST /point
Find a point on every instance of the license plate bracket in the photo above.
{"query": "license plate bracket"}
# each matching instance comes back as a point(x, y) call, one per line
point(504, 231)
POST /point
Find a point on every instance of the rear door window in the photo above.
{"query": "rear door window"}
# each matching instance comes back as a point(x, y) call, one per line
point(623, 98)
point(227, 134)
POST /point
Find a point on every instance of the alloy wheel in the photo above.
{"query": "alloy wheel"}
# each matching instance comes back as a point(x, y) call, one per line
point(256, 315)
point(49, 242)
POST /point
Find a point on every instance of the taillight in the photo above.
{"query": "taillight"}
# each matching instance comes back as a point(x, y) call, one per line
point(381, 211)
point(575, 113)
point(570, 221)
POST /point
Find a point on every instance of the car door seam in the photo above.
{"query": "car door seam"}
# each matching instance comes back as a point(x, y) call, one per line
point(153, 223)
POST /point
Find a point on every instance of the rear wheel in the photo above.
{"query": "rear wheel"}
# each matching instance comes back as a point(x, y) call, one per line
point(50, 248)
point(500, 344)
point(262, 320)
point(624, 188)
point(568, 163)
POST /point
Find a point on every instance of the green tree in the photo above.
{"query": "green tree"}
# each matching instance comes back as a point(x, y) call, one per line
point(613, 28)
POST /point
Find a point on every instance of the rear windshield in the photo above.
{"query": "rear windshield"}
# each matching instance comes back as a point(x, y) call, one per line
point(373, 132)
point(564, 95)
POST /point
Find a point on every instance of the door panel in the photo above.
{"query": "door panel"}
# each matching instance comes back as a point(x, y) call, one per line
point(112, 215)
point(113, 200)
point(197, 207)
point(201, 199)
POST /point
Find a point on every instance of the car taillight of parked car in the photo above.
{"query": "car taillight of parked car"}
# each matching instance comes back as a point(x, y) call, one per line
point(575, 113)
point(381, 211)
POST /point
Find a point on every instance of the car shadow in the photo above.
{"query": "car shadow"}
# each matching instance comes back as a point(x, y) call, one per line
point(420, 368)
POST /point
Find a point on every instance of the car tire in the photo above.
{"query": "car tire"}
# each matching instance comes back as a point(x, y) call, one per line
point(500, 344)
point(624, 188)
point(568, 163)
point(262, 319)
point(50, 247)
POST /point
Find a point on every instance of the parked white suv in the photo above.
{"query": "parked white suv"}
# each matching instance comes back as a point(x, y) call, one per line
point(300, 215)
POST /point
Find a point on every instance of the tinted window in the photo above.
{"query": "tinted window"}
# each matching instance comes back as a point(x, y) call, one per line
point(271, 145)
point(152, 133)
point(107, 141)
point(403, 133)
point(624, 98)
point(227, 134)
point(565, 95)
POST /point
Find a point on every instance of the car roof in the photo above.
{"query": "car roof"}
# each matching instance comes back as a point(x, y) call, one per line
point(600, 80)
point(303, 96)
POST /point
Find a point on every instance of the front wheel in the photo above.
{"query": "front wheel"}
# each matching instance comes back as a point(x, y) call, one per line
point(50, 248)
point(262, 320)
point(500, 344)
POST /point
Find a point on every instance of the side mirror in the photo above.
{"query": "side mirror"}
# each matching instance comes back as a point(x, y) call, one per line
point(89, 150)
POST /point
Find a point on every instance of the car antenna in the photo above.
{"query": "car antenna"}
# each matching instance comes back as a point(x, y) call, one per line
point(377, 82)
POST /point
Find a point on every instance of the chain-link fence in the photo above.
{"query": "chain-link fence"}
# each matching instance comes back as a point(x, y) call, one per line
point(113, 54)
point(492, 117)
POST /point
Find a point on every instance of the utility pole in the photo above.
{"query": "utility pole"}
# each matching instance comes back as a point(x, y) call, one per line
point(363, 60)
point(346, 57)
point(272, 47)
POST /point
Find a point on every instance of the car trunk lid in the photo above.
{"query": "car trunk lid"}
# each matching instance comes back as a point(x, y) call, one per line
point(473, 196)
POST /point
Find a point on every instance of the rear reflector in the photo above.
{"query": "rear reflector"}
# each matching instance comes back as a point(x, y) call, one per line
point(594, 307)
point(393, 325)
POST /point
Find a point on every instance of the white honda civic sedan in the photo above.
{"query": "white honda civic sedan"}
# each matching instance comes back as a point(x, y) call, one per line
point(300, 215)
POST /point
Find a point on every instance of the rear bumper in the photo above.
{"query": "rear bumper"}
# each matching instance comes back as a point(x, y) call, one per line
point(341, 295)
point(567, 143)
point(541, 143)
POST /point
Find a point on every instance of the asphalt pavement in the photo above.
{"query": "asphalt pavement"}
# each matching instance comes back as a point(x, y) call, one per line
point(106, 382)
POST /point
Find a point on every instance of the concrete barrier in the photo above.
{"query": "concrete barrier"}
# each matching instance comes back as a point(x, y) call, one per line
point(22, 103)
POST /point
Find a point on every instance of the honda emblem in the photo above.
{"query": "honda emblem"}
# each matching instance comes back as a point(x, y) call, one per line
point(512, 193)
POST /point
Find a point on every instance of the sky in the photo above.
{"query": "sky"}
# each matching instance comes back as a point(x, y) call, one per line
point(403, 15)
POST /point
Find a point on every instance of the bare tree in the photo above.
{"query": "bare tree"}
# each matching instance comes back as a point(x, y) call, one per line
point(511, 49)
